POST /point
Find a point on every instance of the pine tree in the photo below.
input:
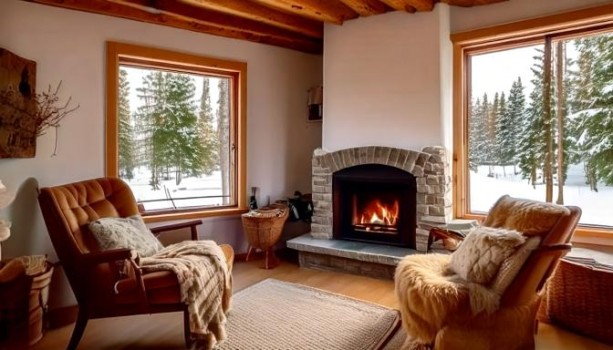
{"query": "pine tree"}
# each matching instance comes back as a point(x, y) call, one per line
point(477, 142)
point(206, 130)
point(592, 108)
point(125, 129)
point(169, 126)
point(492, 124)
point(532, 145)
point(223, 132)
point(511, 124)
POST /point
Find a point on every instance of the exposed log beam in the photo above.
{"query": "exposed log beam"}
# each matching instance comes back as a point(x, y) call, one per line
point(254, 11)
point(421, 5)
point(194, 19)
point(366, 7)
point(322, 10)
point(470, 3)
point(399, 5)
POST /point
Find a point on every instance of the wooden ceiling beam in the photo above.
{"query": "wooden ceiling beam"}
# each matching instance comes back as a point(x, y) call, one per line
point(366, 7)
point(257, 12)
point(321, 10)
point(399, 5)
point(470, 3)
point(421, 5)
point(193, 19)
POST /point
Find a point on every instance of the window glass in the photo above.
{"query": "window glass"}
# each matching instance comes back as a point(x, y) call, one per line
point(543, 128)
point(175, 130)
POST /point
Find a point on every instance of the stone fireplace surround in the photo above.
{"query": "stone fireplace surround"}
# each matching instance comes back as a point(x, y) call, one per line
point(430, 168)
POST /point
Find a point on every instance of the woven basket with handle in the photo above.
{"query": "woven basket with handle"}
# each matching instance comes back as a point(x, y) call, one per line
point(263, 227)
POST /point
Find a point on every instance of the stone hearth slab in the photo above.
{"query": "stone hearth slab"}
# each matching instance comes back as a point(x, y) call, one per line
point(372, 253)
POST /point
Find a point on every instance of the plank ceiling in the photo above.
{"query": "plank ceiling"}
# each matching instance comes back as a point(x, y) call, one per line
point(293, 24)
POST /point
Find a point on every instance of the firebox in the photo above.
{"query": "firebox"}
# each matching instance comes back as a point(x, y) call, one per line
point(374, 203)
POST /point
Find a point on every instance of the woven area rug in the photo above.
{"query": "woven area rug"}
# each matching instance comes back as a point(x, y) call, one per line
point(279, 315)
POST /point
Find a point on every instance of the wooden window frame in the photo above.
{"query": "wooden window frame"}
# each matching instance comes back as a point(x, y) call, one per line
point(515, 34)
point(135, 55)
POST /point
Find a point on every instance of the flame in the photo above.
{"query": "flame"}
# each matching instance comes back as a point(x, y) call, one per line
point(379, 214)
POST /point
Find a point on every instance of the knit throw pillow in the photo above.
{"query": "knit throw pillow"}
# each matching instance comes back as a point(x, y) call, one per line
point(131, 233)
point(483, 250)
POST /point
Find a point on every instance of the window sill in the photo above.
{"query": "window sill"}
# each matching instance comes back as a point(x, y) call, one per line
point(194, 214)
point(583, 234)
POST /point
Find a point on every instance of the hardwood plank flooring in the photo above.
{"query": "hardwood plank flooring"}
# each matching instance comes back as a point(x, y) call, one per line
point(165, 331)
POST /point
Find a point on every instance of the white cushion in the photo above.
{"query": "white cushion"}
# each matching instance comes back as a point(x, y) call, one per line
point(131, 233)
point(510, 266)
point(482, 251)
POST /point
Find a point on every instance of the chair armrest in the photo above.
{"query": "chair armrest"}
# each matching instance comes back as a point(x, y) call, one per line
point(107, 256)
point(554, 248)
point(156, 230)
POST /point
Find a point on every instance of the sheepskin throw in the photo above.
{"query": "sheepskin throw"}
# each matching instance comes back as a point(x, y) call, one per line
point(526, 216)
point(484, 249)
point(205, 284)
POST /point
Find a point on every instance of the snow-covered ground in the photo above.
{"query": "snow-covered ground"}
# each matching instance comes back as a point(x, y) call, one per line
point(484, 191)
point(596, 206)
point(189, 187)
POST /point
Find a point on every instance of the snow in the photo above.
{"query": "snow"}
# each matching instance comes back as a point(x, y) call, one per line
point(596, 206)
point(188, 188)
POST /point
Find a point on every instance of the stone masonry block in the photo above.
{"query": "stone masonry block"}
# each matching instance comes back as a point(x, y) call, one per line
point(423, 209)
point(432, 180)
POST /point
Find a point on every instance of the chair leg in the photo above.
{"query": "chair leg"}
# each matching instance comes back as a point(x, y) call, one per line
point(270, 261)
point(186, 332)
point(79, 328)
point(249, 253)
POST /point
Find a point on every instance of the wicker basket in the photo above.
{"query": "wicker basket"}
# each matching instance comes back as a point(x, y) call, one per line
point(263, 228)
point(579, 298)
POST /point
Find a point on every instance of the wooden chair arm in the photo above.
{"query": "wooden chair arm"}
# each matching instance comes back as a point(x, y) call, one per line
point(557, 248)
point(437, 233)
point(156, 230)
point(107, 256)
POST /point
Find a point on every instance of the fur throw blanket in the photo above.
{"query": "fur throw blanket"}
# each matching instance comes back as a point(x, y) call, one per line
point(206, 287)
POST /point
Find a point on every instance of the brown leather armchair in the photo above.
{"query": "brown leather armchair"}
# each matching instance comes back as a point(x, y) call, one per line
point(99, 282)
point(513, 324)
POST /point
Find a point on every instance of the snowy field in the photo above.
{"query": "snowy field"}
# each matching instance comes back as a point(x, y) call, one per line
point(596, 206)
point(189, 187)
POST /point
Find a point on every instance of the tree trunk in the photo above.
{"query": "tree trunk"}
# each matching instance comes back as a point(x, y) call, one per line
point(560, 111)
point(547, 168)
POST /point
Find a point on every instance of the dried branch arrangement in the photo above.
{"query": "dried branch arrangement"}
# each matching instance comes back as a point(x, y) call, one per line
point(43, 110)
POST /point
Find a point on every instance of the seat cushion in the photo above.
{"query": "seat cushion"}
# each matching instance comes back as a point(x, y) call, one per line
point(131, 233)
point(162, 288)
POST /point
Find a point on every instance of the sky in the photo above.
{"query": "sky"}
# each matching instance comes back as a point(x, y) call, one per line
point(496, 71)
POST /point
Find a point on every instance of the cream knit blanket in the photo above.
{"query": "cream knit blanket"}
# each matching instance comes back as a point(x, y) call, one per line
point(206, 285)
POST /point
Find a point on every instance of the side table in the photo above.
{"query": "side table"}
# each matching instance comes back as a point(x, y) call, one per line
point(263, 229)
point(40, 270)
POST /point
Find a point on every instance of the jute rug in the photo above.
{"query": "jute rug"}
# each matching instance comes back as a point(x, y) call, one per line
point(279, 315)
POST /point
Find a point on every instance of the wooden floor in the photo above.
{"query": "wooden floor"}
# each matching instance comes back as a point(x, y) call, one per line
point(165, 331)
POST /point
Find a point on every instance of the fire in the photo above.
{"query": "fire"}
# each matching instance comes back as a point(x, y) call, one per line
point(377, 213)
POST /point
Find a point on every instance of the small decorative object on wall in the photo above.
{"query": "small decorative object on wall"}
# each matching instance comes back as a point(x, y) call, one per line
point(315, 103)
point(25, 114)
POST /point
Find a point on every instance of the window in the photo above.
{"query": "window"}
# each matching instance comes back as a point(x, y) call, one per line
point(534, 114)
point(176, 131)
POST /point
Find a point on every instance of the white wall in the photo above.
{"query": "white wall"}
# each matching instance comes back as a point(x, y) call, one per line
point(467, 18)
point(382, 81)
point(69, 46)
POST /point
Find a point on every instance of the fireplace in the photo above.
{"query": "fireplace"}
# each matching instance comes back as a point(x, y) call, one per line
point(374, 203)
point(429, 169)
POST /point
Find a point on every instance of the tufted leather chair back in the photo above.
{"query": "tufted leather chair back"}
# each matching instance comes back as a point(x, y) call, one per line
point(67, 211)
